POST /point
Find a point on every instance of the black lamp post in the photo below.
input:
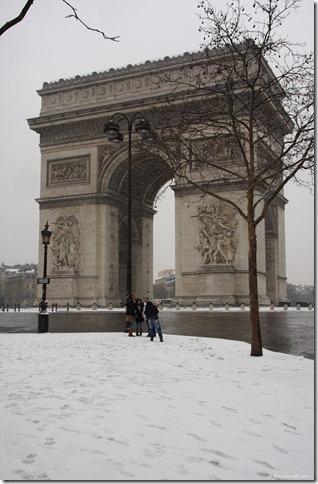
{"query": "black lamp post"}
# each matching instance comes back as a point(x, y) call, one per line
point(113, 134)
point(43, 317)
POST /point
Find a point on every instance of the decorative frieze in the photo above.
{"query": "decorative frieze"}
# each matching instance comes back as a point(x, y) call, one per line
point(205, 152)
point(67, 133)
point(68, 171)
point(127, 88)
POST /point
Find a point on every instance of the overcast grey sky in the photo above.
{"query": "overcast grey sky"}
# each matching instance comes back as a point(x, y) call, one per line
point(47, 47)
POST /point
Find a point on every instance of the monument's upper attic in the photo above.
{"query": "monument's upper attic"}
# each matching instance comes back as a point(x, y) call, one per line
point(130, 69)
point(143, 86)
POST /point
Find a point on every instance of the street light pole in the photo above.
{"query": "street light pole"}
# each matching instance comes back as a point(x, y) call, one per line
point(43, 317)
point(43, 301)
point(129, 215)
point(113, 134)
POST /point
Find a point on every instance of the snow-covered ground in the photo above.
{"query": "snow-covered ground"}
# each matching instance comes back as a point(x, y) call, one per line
point(102, 406)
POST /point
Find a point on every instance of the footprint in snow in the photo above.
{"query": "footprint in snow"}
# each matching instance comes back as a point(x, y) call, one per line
point(289, 426)
point(265, 464)
point(24, 475)
point(254, 421)
point(222, 454)
point(156, 427)
point(263, 474)
point(254, 434)
point(283, 451)
point(29, 459)
point(215, 423)
point(233, 410)
point(195, 436)
point(49, 442)
point(42, 477)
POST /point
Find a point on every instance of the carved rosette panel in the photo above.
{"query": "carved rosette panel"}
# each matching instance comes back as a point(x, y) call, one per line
point(217, 238)
point(68, 171)
point(66, 245)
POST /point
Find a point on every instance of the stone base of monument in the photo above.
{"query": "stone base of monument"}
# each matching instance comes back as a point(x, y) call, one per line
point(216, 301)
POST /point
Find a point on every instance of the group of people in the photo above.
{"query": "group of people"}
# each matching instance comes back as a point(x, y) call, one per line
point(136, 313)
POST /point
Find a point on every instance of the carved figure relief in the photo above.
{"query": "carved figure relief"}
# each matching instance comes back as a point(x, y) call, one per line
point(66, 245)
point(217, 232)
point(69, 170)
point(213, 151)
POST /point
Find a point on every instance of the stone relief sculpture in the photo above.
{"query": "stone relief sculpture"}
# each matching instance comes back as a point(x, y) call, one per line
point(66, 245)
point(217, 232)
point(75, 170)
point(213, 151)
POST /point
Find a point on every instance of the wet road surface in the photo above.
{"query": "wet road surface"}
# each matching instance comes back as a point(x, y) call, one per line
point(284, 331)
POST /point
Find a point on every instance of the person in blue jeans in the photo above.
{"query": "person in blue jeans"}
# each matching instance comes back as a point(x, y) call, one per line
point(152, 315)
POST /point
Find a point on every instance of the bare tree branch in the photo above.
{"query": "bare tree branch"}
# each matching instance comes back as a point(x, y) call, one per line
point(75, 15)
point(8, 25)
point(17, 19)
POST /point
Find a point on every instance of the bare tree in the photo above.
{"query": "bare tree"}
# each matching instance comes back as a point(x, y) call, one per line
point(11, 23)
point(241, 114)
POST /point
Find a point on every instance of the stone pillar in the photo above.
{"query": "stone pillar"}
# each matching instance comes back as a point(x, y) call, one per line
point(212, 251)
point(74, 254)
point(281, 256)
point(146, 288)
point(271, 266)
point(110, 265)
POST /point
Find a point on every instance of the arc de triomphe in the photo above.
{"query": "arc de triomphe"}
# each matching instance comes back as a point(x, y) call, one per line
point(83, 197)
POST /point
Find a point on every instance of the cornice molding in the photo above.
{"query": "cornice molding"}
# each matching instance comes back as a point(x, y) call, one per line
point(92, 199)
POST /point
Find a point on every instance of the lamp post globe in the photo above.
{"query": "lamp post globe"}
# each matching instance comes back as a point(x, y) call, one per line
point(46, 234)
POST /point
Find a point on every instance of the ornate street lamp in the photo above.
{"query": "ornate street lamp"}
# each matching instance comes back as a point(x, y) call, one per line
point(43, 317)
point(113, 134)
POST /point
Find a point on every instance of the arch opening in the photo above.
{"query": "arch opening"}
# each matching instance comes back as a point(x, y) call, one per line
point(151, 178)
point(164, 233)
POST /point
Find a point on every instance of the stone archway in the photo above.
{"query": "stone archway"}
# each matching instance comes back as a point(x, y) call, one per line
point(148, 177)
point(83, 197)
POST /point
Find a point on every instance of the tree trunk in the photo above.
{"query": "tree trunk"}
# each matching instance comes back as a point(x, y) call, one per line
point(256, 338)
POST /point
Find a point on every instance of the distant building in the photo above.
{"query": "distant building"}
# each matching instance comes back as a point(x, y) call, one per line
point(164, 287)
point(18, 284)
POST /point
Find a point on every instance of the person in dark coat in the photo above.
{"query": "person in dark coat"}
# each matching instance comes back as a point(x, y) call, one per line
point(131, 311)
point(139, 316)
point(152, 315)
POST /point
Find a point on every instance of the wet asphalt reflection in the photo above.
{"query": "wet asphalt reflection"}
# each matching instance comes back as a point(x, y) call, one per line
point(284, 331)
